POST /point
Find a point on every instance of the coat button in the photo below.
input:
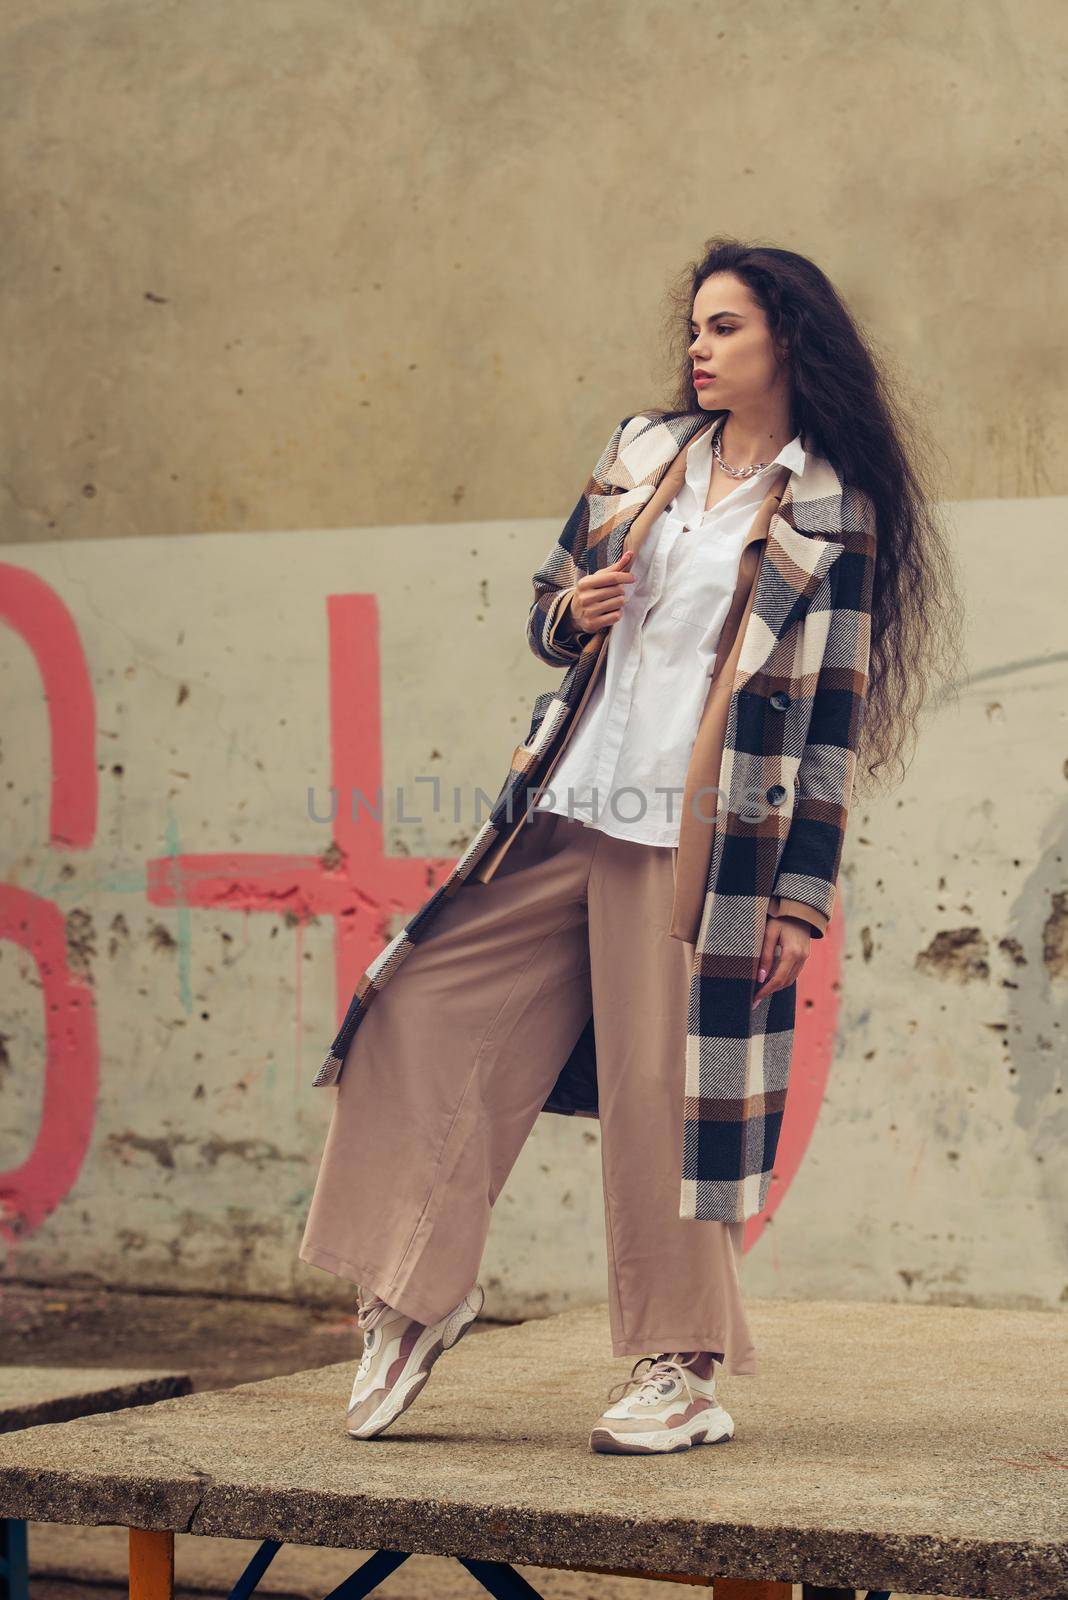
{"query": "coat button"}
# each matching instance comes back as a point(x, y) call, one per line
point(780, 700)
point(776, 795)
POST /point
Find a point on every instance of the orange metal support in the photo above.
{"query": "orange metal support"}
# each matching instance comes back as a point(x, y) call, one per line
point(151, 1564)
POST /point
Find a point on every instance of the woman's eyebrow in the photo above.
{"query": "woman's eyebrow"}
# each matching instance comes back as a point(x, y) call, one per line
point(716, 314)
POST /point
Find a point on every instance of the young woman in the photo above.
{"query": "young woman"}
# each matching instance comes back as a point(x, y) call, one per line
point(747, 599)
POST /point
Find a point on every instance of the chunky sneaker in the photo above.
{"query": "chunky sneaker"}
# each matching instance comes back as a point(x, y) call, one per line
point(398, 1354)
point(669, 1410)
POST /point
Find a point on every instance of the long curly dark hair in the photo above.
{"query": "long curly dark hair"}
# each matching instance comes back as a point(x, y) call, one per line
point(845, 407)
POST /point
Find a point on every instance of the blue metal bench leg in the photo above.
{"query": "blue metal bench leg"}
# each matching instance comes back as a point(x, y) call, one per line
point(14, 1560)
point(375, 1570)
point(501, 1580)
point(255, 1569)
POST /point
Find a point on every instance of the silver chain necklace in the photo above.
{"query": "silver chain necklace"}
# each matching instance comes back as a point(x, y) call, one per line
point(732, 472)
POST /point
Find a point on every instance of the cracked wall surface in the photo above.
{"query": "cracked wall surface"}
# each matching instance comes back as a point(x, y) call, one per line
point(929, 1096)
point(259, 448)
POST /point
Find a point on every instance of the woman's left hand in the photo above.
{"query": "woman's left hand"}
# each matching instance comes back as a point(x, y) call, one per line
point(789, 938)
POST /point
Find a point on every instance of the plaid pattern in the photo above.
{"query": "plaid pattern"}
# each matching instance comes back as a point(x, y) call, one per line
point(786, 778)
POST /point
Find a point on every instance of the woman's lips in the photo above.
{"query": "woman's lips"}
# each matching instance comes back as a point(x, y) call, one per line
point(701, 379)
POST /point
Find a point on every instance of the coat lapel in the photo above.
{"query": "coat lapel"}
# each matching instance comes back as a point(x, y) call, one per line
point(795, 563)
point(634, 476)
point(800, 549)
point(650, 450)
point(668, 484)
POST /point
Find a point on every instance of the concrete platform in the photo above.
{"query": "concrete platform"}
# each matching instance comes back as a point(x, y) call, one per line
point(30, 1396)
point(913, 1449)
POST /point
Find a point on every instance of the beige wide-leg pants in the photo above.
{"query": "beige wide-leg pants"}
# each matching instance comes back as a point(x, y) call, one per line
point(449, 1069)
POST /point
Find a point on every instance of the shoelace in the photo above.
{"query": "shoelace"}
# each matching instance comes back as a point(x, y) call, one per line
point(663, 1367)
point(370, 1309)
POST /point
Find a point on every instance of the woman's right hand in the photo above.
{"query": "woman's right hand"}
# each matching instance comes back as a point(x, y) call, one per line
point(599, 597)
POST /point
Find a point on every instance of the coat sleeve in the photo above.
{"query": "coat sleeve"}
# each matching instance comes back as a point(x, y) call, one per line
point(806, 883)
point(550, 632)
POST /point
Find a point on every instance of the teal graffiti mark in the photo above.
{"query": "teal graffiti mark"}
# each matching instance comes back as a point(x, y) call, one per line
point(133, 881)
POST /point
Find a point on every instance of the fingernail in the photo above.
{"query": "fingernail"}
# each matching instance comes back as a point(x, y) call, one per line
point(762, 974)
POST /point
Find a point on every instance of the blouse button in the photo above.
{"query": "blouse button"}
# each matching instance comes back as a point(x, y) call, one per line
point(776, 794)
point(780, 700)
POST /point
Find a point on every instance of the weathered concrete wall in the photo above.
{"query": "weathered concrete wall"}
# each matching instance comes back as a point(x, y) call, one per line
point(293, 266)
point(389, 278)
point(189, 937)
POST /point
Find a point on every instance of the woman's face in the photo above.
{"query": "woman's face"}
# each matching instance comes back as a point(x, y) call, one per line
point(732, 340)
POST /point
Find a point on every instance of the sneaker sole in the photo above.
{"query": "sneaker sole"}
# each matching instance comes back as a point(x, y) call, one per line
point(714, 1428)
point(425, 1352)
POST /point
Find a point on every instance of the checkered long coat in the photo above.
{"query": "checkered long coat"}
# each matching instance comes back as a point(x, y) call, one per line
point(785, 785)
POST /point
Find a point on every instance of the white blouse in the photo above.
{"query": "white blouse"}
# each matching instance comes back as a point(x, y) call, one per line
point(624, 767)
